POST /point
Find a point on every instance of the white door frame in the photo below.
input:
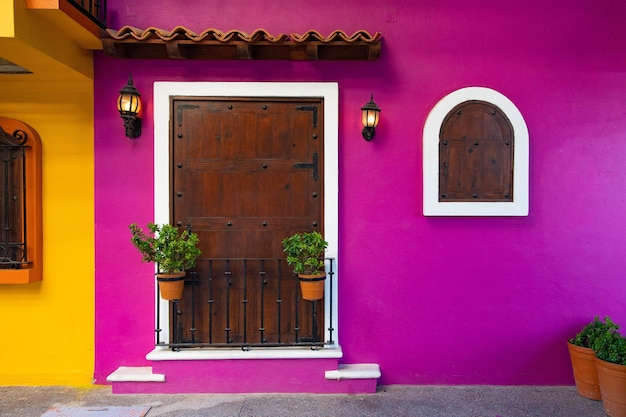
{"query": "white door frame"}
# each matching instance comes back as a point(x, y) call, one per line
point(328, 91)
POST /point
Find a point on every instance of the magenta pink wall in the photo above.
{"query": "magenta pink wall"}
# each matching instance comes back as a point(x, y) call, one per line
point(432, 300)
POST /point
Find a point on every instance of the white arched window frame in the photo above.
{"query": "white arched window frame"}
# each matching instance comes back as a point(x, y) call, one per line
point(432, 205)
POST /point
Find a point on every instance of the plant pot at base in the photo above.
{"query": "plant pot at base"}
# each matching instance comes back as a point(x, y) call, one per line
point(584, 368)
point(312, 286)
point(171, 286)
point(612, 378)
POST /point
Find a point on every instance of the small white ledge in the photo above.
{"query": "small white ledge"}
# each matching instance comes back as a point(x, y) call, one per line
point(355, 371)
point(135, 374)
point(163, 353)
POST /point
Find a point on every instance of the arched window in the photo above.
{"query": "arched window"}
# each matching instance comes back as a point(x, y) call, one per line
point(475, 156)
point(20, 203)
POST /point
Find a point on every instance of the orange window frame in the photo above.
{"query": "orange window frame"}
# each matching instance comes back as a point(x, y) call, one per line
point(32, 272)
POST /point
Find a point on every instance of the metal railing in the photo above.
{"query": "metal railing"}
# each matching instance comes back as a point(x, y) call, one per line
point(248, 303)
point(96, 10)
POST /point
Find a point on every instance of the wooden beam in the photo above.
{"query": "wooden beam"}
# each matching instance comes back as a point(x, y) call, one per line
point(174, 51)
point(243, 50)
point(312, 51)
point(373, 52)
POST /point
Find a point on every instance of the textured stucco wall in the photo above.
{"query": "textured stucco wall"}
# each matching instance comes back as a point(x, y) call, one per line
point(432, 300)
point(47, 327)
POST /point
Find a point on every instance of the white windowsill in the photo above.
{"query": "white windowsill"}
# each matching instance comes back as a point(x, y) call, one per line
point(163, 353)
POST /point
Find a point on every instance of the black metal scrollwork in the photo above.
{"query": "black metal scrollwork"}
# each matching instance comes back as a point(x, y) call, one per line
point(18, 138)
point(21, 136)
point(12, 218)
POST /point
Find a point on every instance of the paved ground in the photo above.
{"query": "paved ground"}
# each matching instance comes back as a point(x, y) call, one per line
point(414, 401)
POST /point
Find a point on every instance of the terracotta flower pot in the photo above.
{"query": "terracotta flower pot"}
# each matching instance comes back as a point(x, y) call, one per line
point(612, 378)
point(171, 285)
point(584, 368)
point(312, 286)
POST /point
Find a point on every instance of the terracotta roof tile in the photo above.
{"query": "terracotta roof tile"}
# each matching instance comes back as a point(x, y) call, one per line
point(132, 42)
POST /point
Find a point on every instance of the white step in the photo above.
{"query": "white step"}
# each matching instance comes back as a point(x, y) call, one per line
point(135, 374)
point(355, 371)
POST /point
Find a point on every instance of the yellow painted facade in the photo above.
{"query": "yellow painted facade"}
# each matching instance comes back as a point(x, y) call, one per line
point(47, 327)
point(6, 18)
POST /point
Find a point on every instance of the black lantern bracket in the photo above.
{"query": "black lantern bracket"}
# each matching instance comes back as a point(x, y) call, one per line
point(129, 106)
point(370, 116)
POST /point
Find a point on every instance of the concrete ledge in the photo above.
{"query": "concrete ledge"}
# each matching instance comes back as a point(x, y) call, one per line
point(135, 374)
point(355, 371)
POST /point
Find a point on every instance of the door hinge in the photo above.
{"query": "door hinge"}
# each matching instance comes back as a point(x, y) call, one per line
point(179, 111)
point(311, 109)
point(309, 165)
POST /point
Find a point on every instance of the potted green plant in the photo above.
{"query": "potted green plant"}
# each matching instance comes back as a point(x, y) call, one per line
point(610, 351)
point(305, 252)
point(172, 252)
point(583, 358)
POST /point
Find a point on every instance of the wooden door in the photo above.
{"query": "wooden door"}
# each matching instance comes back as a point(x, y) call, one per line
point(247, 172)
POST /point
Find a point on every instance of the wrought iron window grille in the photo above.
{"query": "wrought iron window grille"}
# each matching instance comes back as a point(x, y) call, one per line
point(13, 254)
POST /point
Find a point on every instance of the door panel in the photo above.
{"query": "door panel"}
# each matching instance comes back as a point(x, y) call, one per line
point(243, 179)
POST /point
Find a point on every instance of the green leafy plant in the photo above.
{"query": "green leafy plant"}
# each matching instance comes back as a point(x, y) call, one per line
point(610, 346)
point(304, 252)
point(163, 245)
point(587, 336)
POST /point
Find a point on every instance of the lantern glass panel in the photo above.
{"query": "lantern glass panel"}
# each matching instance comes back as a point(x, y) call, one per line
point(129, 104)
point(369, 118)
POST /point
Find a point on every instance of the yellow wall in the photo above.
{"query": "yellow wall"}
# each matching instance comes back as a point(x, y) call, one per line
point(47, 328)
point(45, 48)
point(6, 18)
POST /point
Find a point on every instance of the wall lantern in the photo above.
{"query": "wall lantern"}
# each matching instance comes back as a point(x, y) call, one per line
point(129, 106)
point(370, 114)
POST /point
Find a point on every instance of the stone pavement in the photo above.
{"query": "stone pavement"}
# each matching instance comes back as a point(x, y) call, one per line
point(395, 400)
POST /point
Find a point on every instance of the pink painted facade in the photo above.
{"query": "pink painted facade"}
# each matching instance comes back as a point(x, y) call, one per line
point(432, 300)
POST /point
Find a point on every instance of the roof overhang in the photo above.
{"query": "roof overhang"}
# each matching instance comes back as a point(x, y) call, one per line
point(212, 44)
